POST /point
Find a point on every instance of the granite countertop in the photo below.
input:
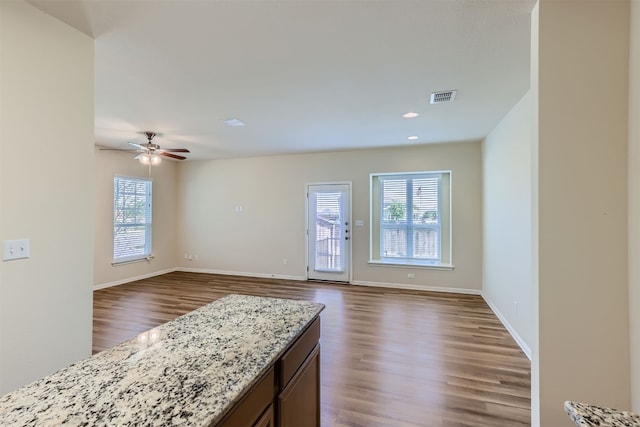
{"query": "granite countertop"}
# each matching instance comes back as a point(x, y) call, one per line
point(189, 371)
point(585, 415)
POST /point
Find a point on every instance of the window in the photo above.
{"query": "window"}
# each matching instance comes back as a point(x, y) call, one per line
point(410, 218)
point(131, 219)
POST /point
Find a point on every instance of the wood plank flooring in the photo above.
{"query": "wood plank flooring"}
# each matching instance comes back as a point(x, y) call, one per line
point(389, 357)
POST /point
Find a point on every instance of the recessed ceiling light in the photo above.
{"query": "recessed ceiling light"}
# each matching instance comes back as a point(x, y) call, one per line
point(413, 137)
point(410, 115)
point(234, 122)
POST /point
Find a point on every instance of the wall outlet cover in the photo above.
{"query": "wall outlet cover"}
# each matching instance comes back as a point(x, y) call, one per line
point(15, 249)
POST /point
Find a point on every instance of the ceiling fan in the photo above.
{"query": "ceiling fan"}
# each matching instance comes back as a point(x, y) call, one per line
point(150, 153)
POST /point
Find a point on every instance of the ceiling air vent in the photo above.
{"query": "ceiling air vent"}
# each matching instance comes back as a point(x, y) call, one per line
point(443, 96)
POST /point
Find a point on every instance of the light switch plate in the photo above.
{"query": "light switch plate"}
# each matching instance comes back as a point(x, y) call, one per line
point(15, 249)
point(359, 223)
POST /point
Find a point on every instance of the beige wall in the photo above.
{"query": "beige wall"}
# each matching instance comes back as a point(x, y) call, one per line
point(107, 165)
point(271, 226)
point(634, 203)
point(583, 342)
point(506, 229)
point(46, 193)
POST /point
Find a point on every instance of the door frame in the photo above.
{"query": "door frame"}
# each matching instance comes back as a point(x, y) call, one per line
point(306, 225)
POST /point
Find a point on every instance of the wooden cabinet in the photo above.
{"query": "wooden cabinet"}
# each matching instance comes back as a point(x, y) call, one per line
point(299, 402)
point(248, 411)
point(288, 395)
point(266, 420)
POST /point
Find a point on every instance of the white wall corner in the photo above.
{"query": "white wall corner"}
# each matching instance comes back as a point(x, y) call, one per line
point(521, 343)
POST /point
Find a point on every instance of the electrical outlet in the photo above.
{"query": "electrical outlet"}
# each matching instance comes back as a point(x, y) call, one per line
point(284, 261)
point(411, 276)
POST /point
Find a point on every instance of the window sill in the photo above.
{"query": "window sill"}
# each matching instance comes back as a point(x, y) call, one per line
point(147, 258)
point(405, 264)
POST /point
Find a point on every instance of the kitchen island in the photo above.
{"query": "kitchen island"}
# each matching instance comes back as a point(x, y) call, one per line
point(239, 361)
point(586, 415)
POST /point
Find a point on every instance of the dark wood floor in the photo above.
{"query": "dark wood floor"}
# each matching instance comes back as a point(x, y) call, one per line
point(389, 357)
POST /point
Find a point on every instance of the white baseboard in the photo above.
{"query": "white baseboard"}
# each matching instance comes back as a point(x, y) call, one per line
point(240, 273)
point(133, 279)
point(523, 345)
point(417, 287)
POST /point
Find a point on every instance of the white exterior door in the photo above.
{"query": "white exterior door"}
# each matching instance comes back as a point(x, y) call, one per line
point(329, 232)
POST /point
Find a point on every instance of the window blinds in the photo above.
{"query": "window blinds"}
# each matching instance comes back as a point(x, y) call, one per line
point(410, 216)
point(131, 219)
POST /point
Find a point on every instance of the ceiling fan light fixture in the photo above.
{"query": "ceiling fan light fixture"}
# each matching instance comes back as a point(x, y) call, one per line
point(149, 159)
point(143, 158)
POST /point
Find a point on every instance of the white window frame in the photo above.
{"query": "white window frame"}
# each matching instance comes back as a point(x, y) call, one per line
point(378, 225)
point(146, 223)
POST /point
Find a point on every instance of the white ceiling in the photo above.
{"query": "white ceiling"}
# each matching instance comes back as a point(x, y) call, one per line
point(306, 75)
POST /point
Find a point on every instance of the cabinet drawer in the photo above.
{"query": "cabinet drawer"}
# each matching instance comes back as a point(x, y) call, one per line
point(253, 404)
point(293, 358)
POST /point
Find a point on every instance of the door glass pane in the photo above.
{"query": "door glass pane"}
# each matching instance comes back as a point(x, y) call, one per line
point(329, 232)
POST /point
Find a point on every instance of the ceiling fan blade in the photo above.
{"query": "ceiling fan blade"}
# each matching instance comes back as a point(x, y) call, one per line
point(138, 146)
point(175, 150)
point(173, 156)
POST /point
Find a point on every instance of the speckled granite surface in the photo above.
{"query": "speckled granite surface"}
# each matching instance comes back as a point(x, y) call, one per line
point(188, 372)
point(585, 415)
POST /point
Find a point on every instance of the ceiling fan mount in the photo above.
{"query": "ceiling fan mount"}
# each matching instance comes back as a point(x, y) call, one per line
point(150, 136)
point(150, 150)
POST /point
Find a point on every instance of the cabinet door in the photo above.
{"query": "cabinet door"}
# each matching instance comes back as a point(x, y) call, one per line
point(266, 420)
point(299, 402)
